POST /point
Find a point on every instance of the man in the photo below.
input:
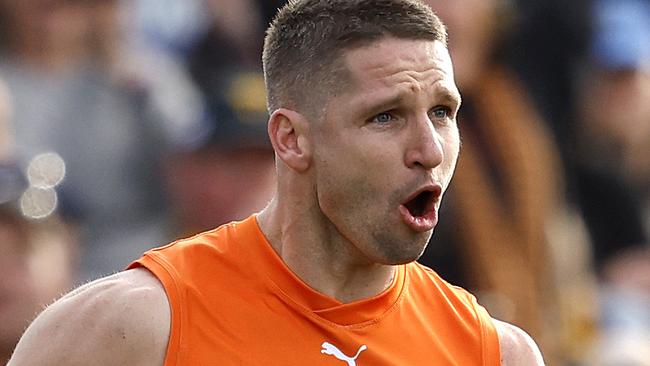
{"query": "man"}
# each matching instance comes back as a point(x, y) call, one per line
point(363, 107)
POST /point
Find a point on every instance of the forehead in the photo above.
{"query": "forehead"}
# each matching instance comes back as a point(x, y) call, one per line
point(392, 62)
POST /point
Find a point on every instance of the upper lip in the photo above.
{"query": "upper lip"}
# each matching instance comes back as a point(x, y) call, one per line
point(434, 188)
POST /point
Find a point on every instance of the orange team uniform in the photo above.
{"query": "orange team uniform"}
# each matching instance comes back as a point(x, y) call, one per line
point(234, 302)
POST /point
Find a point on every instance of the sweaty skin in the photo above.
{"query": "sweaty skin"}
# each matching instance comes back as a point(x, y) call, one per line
point(335, 220)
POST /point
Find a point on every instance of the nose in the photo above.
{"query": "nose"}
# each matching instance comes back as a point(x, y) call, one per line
point(424, 148)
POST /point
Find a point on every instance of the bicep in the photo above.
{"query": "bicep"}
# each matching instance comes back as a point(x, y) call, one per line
point(516, 346)
point(109, 322)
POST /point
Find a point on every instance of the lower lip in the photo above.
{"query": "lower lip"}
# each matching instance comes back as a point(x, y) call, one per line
point(422, 223)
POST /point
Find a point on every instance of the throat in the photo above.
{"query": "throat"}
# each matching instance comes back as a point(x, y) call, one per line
point(342, 281)
point(321, 257)
point(364, 286)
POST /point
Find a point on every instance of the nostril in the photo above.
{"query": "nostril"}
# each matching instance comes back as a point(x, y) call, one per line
point(425, 146)
point(424, 159)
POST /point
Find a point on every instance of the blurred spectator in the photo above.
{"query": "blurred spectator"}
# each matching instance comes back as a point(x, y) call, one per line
point(547, 51)
point(235, 37)
point(555, 72)
point(37, 265)
point(37, 256)
point(107, 110)
point(230, 171)
point(173, 26)
point(622, 350)
point(507, 196)
point(614, 162)
point(614, 129)
point(239, 22)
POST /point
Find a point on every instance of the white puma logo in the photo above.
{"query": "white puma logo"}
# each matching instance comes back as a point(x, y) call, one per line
point(332, 350)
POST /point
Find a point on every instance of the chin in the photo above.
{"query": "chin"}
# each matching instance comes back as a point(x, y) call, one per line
point(400, 261)
point(393, 261)
point(390, 253)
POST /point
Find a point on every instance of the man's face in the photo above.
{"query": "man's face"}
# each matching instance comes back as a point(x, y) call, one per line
point(387, 147)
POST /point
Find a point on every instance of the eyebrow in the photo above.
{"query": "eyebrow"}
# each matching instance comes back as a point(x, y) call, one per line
point(443, 94)
point(449, 95)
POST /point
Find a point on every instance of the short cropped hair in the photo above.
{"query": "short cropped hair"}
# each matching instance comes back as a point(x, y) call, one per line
point(304, 45)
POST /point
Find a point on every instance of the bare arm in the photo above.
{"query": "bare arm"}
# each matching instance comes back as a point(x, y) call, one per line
point(517, 347)
point(123, 319)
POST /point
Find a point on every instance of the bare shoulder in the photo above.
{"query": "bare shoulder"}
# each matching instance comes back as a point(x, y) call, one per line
point(517, 347)
point(123, 319)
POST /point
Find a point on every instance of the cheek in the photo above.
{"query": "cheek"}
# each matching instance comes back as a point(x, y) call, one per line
point(355, 174)
point(339, 187)
point(349, 184)
point(452, 147)
point(451, 151)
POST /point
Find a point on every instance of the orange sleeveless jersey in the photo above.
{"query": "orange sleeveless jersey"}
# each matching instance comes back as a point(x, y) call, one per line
point(234, 302)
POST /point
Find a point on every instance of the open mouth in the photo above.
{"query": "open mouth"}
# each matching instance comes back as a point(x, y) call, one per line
point(420, 204)
point(419, 211)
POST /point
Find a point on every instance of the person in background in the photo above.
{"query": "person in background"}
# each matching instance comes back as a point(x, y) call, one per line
point(170, 26)
point(106, 109)
point(241, 24)
point(235, 28)
point(37, 256)
point(507, 197)
point(612, 149)
point(230, 171)
point(614, 158)
point(38, 260)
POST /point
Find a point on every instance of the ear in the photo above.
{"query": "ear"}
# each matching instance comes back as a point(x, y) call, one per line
point(289, 134)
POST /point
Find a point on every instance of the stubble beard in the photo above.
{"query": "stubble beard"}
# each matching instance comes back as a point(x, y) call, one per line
point(377, 232)
point(394, 242)
point(393, 249)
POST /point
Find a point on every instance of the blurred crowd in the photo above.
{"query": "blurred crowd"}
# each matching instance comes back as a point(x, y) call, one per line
point(127, 124)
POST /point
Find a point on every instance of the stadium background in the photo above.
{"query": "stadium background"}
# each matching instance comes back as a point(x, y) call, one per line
point(127, 124)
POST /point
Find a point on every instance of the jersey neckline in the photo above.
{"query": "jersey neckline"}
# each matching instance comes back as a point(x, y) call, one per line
point(295, 290)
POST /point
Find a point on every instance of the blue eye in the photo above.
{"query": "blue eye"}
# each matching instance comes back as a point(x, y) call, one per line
point(441, 112)
point(382, 118)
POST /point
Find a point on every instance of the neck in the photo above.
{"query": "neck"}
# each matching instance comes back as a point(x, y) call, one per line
point(317, 253)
